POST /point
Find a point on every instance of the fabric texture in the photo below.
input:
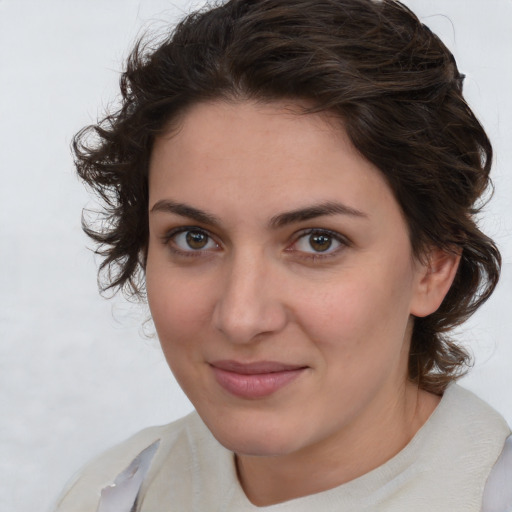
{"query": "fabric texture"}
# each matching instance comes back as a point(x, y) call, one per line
point(443, 468)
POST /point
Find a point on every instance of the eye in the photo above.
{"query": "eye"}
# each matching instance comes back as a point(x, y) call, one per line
point(189, 240)
point(318, 242)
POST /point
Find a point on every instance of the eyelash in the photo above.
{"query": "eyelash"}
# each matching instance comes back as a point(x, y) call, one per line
point(171, 235)
point(333, 235)
point(340, 239)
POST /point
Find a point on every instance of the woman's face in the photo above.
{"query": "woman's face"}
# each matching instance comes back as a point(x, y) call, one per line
point(279, 276)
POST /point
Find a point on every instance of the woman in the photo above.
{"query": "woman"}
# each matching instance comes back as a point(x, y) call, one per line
point(293, 186)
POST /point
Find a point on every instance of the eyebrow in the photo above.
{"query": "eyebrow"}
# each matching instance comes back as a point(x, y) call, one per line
point(327, 208)
point(184, 210)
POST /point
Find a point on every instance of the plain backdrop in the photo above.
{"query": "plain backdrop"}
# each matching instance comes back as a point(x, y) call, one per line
point(77, 372)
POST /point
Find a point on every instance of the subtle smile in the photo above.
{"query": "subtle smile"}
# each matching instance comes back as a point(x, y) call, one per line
point(254, 380)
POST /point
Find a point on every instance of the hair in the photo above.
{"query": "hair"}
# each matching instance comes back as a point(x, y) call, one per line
point(392, 83)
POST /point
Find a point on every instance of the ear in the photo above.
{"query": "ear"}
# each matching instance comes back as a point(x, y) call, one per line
point(434, 280)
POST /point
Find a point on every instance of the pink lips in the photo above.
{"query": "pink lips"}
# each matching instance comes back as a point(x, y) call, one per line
point(254, 380)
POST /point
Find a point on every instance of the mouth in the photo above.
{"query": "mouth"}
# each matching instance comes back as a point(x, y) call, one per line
point(254, 380)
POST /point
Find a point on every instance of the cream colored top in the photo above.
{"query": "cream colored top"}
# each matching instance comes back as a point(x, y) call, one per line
point(443, 468)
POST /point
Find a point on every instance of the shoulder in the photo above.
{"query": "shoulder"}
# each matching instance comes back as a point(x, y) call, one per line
point(472, 418)
point(456, 450)
point(83, 492)
point(464, 421)
point(488, 447)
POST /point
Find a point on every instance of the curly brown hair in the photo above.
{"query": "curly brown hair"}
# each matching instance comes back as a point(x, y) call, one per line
point(393, 84)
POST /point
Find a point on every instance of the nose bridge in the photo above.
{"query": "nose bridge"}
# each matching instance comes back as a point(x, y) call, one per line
point(249, 303)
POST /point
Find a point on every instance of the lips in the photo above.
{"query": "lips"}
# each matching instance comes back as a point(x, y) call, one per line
point(254, 380)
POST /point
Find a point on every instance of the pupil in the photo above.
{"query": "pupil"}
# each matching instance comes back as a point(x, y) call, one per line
point(320, 243)
point(196, 240)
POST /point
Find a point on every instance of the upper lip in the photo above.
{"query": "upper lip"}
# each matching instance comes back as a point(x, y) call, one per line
point(255, 368)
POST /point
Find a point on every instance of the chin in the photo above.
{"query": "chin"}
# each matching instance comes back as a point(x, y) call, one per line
point(255, 445)
point(246, 436)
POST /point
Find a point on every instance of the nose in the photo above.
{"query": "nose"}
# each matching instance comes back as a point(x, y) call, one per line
point(250, 301)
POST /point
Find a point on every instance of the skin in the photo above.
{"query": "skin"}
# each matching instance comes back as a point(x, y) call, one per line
point(249, 284)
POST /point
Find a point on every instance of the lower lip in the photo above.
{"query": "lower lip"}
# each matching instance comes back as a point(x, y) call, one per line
point(254, 385)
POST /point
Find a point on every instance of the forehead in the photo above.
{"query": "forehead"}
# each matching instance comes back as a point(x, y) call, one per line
point(246, 126)
point(271, 154)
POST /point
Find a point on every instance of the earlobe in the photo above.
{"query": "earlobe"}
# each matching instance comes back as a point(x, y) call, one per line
point(434, 281)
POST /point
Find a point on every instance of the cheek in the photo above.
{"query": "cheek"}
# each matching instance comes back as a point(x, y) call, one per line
point(179, 306)
point(180, 314)
point(359, 316)
point(360, 334)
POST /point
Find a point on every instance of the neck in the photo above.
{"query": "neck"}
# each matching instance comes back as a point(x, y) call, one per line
point(346, 455)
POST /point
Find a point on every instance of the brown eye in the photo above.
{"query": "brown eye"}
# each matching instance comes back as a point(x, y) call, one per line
point(320, 242)
point(196, 239)
point(192, 240)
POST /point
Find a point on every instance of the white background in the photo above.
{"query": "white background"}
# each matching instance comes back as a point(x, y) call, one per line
point(76, 373)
